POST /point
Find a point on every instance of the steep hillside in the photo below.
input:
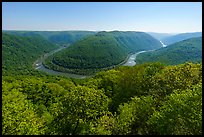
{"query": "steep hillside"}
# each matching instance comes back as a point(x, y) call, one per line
point(180, 37)
point(180, 52)
point(94, 52)
point(58, 37)
point(102, 50)
point(136, 41)
point(19, 53)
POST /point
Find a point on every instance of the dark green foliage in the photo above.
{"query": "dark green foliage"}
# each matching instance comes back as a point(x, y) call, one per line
point(181, 52)
point(180, 37)
point(103, 50)
point(94, 52)
point(19, 53)
point(147, 99)
point(58, 37)
point(136, 41)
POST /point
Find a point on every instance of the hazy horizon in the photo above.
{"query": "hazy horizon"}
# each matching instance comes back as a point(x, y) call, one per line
point(158, 17)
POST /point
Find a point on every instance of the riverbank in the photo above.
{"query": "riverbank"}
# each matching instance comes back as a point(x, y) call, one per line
point(38, 64)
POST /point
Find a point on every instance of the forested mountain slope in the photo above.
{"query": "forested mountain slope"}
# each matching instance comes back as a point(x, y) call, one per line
point(102, 50)
point(136, 41)
point(180, 37)
point(58, 37)
point(19, 53)
point(180, 52)
point(148, 99)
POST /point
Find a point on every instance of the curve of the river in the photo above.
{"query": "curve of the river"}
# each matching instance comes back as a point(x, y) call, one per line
point(38, 65)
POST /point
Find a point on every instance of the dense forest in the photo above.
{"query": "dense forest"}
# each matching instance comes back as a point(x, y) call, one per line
point(57, 37)
point(19, 53)
point(187, 50)
point(102, 50)
point(139, 100)
point(146, 99)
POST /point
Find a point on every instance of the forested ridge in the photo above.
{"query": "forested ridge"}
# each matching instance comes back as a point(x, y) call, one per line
point(146, 99)
point(57, 37)
point(189, 50)
point(19, 53)
point(102, 50)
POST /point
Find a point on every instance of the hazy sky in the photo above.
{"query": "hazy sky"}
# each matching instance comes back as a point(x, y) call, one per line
point(167, 17)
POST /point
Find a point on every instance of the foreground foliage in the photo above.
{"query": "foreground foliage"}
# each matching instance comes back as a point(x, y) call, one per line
point(140, 100)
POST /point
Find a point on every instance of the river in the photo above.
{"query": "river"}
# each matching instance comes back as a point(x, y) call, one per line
point(131, 60)
point(163, 44)
point(39, 66)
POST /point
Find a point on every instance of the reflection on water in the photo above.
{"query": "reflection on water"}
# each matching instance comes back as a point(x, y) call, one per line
point(131, 60)
point(39, 66)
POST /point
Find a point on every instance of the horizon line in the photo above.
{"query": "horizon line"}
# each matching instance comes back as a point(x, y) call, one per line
point(104, 30)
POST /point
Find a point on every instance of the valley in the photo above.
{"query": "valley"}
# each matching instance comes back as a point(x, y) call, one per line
point(38, 64)
point(102, 68)
point(111, 76)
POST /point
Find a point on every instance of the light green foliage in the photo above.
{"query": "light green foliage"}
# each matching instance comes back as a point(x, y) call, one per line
point(177, 77)
point(80, 106)
point(133, 115)
point(181, 114)
point(145, 99)
point(104, 125)
point(18, 113)
point(125, 100)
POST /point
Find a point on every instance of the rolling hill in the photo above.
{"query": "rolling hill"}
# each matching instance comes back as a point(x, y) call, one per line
point(19, 53)
point(180, 37)
point(136, 41)
point(57, 37)
point(101, 50)
point(189, 50)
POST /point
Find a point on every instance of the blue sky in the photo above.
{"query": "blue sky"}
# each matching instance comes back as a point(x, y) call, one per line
point(165, 17)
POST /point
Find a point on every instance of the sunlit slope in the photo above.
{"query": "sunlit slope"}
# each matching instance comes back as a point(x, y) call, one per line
point(188, 50)
point(102, 50)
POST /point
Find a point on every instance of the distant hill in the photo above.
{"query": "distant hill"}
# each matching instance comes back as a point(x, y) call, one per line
point(19, 53)
point(189, 50)
point(160, 36)
point(58, 37)
point(101, 50)
point(180, 37)
point(136, 41)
